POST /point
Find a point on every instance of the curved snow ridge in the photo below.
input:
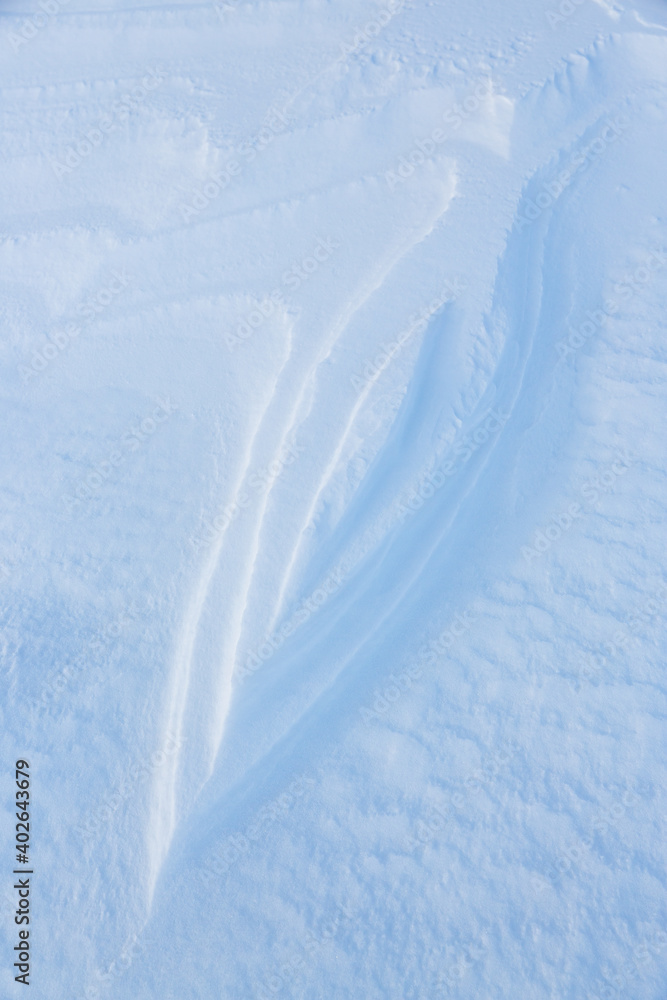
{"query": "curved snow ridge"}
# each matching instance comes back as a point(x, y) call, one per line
point(371, 288)
point(585, 87)
point(520, 313)
point(438, 118)
point(166, 809)
point(485, 120)
point(182, 691)
point(216, 195)
point(289, 425)
point(381, 484)
point(285, 418)
point(373, 592)
point(527, 214)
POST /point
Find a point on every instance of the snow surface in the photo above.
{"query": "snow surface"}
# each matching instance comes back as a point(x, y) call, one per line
point(332, 575)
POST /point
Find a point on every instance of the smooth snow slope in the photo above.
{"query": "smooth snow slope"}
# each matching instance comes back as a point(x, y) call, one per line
point(333, 524)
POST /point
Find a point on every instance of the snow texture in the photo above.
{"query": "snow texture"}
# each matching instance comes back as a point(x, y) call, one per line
point(333, 522)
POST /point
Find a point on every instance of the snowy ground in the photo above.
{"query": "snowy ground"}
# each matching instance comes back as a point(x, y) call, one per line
point(332, 583)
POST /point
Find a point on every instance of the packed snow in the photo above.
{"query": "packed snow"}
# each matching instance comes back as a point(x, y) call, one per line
point(332, 562)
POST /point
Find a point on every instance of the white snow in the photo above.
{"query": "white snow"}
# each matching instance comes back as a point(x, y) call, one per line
point(332, 553)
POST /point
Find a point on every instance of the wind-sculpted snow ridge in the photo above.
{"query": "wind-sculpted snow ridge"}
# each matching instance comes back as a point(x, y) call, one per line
point(322, 675)
point(272, 440)
point(331, 568)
